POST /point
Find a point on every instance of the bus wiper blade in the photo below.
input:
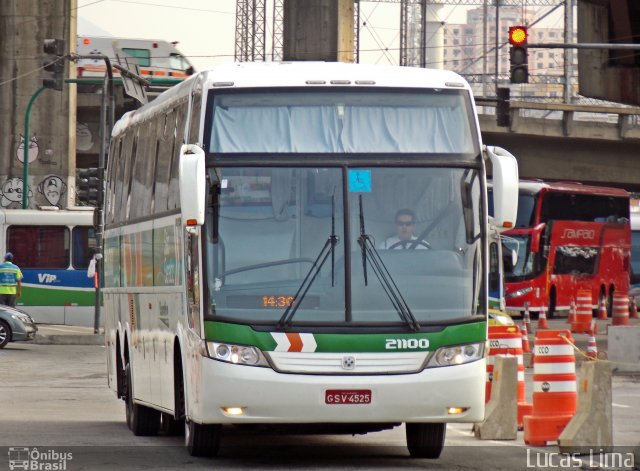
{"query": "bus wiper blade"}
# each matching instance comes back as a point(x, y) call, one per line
point(369, 253)
point(389, 285)
point(361, 239)
point(292, 308)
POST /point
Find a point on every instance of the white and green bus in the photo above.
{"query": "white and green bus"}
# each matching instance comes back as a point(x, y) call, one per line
point(53, 248)
point(244, 279)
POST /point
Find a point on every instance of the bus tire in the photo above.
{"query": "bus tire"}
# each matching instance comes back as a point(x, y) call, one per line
point(202, 439)
point(141, 420)
point(426, 440)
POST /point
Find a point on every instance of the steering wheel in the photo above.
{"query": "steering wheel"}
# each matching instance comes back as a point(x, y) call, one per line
point(410, 244)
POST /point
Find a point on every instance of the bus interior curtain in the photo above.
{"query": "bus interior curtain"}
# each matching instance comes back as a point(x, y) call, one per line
point(334, 129)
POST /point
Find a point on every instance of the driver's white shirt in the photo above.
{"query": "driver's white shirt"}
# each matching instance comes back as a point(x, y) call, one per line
point(402, 244)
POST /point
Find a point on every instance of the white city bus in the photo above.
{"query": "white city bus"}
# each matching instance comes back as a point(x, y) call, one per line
point(244, 283)
point(53, 248)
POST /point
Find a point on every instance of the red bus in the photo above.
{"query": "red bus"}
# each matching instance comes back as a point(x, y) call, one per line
point(568, 236)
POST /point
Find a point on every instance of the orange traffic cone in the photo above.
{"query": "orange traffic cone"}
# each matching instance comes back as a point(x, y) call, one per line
point(592, 346)
point(633, 310)
point(602, 310)
point(526, 348)
point(542, 319)
point(572, 312)
point(527, 317)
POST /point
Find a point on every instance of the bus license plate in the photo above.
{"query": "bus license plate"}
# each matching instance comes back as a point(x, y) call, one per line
point(347, 396)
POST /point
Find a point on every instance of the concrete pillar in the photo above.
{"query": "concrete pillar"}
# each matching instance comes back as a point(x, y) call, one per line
point(318, 30)
point(24, 24)
point(434, 33)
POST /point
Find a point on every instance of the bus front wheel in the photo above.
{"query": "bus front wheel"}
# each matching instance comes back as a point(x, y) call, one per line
point(201, 439)
point(142, 420)
point(426, 440)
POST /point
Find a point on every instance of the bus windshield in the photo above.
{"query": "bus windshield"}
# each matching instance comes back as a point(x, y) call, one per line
point(526, 210)
point(318, 121)
point(274, 228)
point(525, 260)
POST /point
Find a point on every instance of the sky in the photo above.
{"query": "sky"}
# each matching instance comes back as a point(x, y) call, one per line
point(205, 29)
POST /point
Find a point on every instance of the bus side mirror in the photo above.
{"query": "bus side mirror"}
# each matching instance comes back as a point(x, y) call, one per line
point(514, 258)
point(192, 185)
point(536, 235)
point(505, 187)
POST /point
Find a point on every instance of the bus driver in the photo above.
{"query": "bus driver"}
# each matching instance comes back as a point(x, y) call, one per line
point(405, 225)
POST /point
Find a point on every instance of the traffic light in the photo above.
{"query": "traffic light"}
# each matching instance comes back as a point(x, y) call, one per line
point(518, 55)
point(87, 186)
point(503, 115)
point(54, 63)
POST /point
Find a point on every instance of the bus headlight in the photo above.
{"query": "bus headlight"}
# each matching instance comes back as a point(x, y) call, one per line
point(237, 354)
point(457, 355)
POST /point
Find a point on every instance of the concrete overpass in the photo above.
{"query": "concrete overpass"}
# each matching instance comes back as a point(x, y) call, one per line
point(594, 144)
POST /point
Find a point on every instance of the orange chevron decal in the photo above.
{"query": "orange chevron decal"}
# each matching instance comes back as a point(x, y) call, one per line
point(296, 342)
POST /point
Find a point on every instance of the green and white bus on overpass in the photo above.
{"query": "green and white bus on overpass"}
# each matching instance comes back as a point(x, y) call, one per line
point(244, 283)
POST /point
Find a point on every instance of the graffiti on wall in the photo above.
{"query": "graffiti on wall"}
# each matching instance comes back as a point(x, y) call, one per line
point(32, 152)
point(11, 191)
point(52, 188)
point(84, 137)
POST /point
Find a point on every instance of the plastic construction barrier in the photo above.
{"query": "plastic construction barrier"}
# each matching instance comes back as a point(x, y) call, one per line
point(554, 387)
point(584, 313)
point(620, 309)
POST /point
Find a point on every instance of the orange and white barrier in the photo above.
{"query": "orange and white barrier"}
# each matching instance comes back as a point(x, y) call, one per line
point(506, 340)
point(554, 391)
point(620, 310)
point(584, 313)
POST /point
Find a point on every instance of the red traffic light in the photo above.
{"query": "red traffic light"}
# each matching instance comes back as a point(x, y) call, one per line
point(518, 35)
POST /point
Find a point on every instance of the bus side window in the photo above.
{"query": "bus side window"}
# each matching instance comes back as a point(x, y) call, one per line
point(174, 191)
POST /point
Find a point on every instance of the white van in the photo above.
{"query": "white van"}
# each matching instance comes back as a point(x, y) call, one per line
point(155, 58)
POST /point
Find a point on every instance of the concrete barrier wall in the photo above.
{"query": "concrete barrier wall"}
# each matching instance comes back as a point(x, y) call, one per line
point(623, 348)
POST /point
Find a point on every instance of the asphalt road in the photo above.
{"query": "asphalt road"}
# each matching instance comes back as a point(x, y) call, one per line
point(54, 403)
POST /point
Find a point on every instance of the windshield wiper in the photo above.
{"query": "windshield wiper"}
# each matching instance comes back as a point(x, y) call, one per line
point(327, 249)
point(389, 286)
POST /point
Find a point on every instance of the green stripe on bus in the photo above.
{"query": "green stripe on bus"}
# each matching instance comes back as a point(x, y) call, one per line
point(245, 335)
point(55, 297)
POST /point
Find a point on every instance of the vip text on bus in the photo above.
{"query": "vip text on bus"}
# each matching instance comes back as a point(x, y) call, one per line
point(245, 279)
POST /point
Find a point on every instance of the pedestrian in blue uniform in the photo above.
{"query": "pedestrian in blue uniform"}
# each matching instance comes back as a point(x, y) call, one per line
point(10, 281)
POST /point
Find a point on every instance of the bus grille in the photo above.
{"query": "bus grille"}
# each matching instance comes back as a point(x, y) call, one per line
point(347, 363)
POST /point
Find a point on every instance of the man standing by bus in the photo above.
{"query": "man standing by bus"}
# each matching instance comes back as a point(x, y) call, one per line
point(10, 285)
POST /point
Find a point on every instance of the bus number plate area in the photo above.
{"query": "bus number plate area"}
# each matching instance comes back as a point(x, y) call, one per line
point(347, 396)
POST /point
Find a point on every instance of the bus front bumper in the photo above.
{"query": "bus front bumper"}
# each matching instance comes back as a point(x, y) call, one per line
point(266, 396)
